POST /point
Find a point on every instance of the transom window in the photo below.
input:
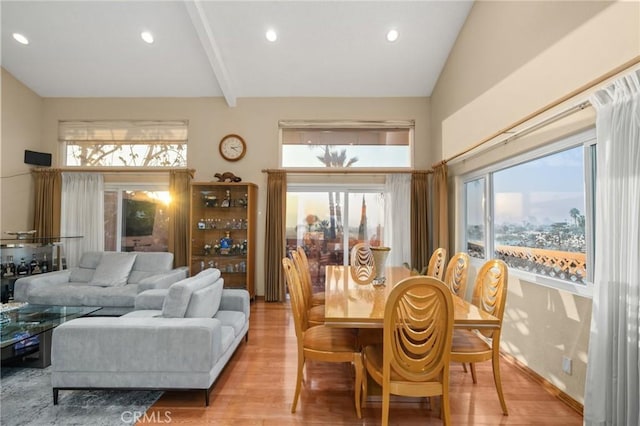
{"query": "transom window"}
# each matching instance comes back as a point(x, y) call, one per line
point(347, 144)
point(534, 212)
point(124, 143)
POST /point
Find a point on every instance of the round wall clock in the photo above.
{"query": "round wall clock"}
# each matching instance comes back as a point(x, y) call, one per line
point(232, 147)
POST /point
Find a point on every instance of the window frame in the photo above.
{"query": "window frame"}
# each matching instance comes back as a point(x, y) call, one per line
point(586, 139)
point(119, 188)
point(353, 125)
point(347, 188)
point(147, 134)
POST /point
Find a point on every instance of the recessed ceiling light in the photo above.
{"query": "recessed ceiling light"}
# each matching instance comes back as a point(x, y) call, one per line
point(392, 35)
point(271, 35)
point(147, 36)
point(20, 38)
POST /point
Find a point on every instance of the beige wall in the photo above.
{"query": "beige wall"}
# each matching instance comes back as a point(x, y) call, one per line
point(21, 129)
point(256, 120)
point(504, 66)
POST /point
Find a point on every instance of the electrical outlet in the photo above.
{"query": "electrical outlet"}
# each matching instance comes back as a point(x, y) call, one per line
point(567, 364)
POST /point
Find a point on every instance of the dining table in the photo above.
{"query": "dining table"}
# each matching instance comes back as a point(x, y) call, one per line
point(351, 303)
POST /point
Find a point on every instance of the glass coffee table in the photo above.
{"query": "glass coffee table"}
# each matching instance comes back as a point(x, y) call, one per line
point(26, 331)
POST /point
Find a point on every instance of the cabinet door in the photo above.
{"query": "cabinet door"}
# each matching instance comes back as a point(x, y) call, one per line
point(222, 232)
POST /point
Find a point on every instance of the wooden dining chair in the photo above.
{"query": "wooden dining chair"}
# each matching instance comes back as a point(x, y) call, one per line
point(489, 295)
point(437, 263)
point(315, 314)
point(363, 268)
point(318, 297)
point(456, 274)
point(414, 357)
point(320, 343)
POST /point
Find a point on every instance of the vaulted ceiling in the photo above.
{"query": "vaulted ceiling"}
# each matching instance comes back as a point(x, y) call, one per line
point(218, 48)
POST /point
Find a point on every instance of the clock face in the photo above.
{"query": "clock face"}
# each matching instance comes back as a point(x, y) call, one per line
point(232, 147)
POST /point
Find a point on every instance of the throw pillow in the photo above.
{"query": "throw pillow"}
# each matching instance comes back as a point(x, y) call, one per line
point(113, 270)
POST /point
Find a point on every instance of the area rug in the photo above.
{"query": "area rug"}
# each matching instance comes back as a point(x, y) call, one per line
point(26, 399)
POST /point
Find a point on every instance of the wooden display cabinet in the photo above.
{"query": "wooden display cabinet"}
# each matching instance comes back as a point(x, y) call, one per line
point(223, 231)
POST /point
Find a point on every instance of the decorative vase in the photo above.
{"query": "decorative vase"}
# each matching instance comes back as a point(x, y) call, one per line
point(380, 255)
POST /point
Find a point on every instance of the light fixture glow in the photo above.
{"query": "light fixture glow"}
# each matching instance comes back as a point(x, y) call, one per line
point(271, 35)
point(20, 38)
point(392, 35)
point(147, 36)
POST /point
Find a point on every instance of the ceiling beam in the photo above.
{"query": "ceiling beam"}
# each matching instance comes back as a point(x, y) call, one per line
point(208, 41)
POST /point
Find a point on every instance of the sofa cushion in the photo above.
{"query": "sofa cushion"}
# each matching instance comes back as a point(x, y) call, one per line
point(151, 299)
point(204, 303)
point(150, 264)
point(227, 338)
point(177, 299)
point(89, 261)
point(234, 319)
point(148, 313)
point(113, 270)
point(80, 294)
point(81, 275)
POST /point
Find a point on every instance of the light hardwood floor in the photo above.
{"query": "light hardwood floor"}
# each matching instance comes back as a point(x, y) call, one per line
point(257, 386)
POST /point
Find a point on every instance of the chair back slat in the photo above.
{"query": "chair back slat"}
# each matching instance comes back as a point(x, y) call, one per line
point(456, 275)
point(363, 268)
point(437, 263)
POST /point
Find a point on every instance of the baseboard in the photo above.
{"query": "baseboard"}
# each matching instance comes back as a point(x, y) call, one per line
point(546, 385)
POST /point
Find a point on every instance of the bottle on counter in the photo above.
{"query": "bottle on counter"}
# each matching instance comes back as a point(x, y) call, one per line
point(10, 267)
point(34, 265)
point(22, 269)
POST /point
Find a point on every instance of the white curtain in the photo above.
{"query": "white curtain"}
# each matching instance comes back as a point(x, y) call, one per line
point(397, 217)
point(612, 391)
point(82, 214)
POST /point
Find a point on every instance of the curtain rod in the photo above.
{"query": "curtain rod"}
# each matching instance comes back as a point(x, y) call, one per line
point(112, 169)
point(580, 90)
point(338, 171)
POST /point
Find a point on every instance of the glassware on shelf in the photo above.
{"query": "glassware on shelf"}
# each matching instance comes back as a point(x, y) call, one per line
point(227, 199)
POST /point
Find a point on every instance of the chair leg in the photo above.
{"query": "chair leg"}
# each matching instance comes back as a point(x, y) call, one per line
point(357, 363)
point(464, 367)
point(385, 406)
point(298, 382)
point(444, 408)
point(495, 361)
point(365, 385)
point(473, 372)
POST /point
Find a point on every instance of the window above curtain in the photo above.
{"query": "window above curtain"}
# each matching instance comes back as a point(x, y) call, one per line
point(342, 144)
point(124, 143)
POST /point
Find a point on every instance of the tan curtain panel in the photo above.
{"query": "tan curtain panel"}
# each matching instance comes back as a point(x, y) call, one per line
point(48, 195)
point(275, 236)
point(419, 220)
point(180, 190)
point(441, 208)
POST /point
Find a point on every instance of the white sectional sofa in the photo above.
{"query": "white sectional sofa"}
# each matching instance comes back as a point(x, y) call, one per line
point(183, 341)
point(111, 280)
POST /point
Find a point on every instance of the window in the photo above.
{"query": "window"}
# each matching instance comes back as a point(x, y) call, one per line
point(136, 218)
point(124, 143)
point(350, 144)
point(534, 211)
point(474, 193)
point(329, 220)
